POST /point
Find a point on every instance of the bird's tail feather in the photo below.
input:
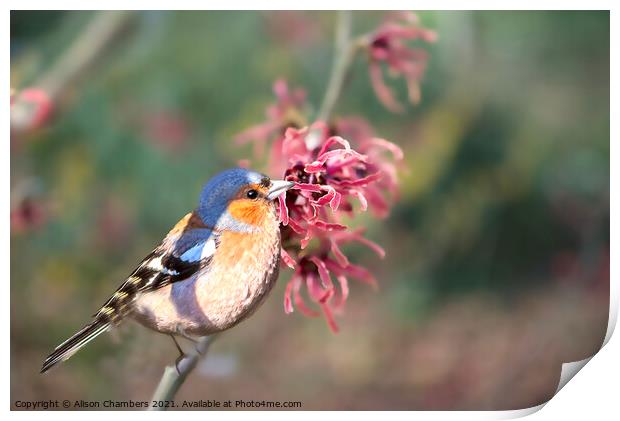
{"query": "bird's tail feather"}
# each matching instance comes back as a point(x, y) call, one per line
point(69, 347)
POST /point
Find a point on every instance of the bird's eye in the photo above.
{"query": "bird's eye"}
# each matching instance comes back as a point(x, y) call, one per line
point(252, 194)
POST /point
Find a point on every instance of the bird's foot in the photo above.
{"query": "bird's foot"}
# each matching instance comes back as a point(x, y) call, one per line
point(177, 362)
point(181, 354)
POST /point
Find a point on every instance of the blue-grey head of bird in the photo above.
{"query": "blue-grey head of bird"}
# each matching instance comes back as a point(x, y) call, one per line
point(239, 199)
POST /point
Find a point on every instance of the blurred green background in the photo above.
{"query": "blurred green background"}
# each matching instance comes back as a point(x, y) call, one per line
point(497, 266)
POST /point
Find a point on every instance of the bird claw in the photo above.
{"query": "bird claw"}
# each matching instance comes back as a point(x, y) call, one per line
point(177, 362)
point(180, 357)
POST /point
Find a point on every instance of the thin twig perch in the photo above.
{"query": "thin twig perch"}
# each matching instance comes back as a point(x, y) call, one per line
point(174, 376)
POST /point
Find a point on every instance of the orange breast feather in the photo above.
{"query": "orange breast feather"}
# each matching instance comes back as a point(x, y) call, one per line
point(249, 211)
point(242, 249)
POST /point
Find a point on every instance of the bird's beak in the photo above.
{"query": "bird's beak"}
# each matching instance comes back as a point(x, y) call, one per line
point(278, 187)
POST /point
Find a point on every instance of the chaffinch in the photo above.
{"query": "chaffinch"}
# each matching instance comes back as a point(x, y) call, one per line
point(211, 271)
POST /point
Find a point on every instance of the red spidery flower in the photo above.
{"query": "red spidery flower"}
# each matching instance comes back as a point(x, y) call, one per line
point(338, 170)
point(330, 179)
point(333, 178)
point(387, 45)
point(383, 154)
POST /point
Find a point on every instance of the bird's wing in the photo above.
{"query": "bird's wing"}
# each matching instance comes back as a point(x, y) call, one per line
point(187, 249)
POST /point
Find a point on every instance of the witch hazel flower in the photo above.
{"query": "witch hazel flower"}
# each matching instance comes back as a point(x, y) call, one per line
point(386, 156)
point(387, 44)
point(331, 180)
point(338, 170)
